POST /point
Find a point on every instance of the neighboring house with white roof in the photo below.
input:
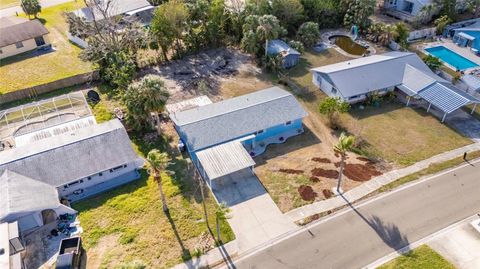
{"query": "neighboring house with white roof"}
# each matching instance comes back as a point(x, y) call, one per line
point(353, 80)
point(123, 8)
point(223, 137)
point(19, 35)
point(72, 165)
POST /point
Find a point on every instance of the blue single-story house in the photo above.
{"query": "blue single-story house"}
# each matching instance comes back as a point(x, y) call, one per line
point(290, 56)
point(465, 34)
point(223, 137)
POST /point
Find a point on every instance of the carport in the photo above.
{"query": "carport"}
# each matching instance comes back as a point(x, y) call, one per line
point(443, 96)
point(223, 159)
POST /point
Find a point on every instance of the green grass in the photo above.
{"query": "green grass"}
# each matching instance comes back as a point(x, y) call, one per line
point(25, 70)
point(132, 217)
point(9, 3)
point(401, 134)
point(101, 112)
point(431, 169)
point(422, 257)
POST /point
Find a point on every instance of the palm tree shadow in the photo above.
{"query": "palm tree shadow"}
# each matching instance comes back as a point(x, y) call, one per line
point(388, 232)
point(186, 255)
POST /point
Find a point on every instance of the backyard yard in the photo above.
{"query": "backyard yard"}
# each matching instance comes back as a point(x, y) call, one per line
point(34, 68)
point(127, 224)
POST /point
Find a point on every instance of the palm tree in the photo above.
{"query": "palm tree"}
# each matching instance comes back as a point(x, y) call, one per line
point(387, 34)
point(157, 163)
point(155, 94)
point(344, 145)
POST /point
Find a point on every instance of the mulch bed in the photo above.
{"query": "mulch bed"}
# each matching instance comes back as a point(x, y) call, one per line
point(327, 193)
point(307, 193)
point(321, 160)
point(291, 171)
point(360, 172)
point(319, 172)
point(314, 179)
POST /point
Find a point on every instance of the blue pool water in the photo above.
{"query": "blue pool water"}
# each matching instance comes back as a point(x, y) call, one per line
point(457, 61)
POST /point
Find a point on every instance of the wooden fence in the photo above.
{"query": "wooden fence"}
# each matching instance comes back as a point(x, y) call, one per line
point(34, 91)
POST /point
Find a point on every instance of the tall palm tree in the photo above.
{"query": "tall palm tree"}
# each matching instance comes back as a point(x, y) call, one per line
point(344, 145)
point(157, 163)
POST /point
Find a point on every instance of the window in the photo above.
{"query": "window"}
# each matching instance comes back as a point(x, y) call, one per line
point(259, 132)
point(288, 122)
point(124, 166)
point(100, 174)
point(73, 183)
point(334, 91)
point(19, 45)
point(89, 178)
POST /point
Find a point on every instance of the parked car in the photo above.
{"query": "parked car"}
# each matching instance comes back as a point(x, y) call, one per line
point(70, 253)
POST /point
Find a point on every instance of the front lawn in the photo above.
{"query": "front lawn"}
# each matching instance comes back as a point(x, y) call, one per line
point(422, 257)
point(401, 134)
point(127, 224)
point(30, 69)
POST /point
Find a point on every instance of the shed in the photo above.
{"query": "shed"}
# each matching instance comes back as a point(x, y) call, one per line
point(290, 56)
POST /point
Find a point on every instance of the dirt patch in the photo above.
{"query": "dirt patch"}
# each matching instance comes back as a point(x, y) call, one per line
point(307, 193)
point(321, 160)
point(291, 171)
point(97, 254)
point(314, 179)
point(320, 172)
point(360, 172)
point(327, 193)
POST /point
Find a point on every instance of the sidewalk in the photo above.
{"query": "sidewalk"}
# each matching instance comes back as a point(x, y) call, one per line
point(375, 183)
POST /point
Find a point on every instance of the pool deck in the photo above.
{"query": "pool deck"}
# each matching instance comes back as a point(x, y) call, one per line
point(465, 52)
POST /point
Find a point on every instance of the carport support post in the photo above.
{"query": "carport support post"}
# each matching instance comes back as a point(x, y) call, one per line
point(444, 115)
point(408, 100)
point(429, 105)
point(473, 109)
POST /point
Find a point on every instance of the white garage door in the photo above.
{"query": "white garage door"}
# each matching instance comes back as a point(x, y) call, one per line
point(27, 222)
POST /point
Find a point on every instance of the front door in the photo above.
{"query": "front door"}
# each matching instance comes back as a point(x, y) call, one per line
point(40, 41)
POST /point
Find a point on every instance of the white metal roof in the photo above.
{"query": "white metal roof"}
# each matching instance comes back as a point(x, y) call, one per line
point(415, 80)
point(188, 104)
point(472, 81)
point(367, 74)
point(446, 97)
point(467, 36)
point(224, 159)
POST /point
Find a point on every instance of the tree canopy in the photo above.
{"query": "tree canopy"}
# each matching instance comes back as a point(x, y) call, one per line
point(31, 7)
point(309, 34)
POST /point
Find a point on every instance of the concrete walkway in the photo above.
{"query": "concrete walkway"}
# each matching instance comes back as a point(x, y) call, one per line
point(460, 246)
point(12, 11)
point(374, 184)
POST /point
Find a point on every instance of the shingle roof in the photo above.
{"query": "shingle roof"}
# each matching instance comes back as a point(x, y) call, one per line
point(363, 75)
point(216, 123)
point(71, 156)
point(116, 7)
point(13, 30)
point(21, 195)
point(276, 46)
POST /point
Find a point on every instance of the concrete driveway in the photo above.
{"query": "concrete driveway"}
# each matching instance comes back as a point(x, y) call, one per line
point(465, 123)
point(255, 218)
point(461, 246)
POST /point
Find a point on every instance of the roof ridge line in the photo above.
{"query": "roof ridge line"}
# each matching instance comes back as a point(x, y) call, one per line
point(259, 103)
point(404, 55)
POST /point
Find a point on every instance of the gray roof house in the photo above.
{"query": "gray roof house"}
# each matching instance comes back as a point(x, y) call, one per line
point(72, 165)
point(353, 80)
point(278, 47)
point(223, 137)
point(405, 9)
point(115, 8)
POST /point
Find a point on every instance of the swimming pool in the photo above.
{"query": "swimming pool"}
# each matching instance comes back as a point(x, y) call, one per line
point(453, 59)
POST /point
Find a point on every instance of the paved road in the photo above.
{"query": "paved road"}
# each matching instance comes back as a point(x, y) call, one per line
point(11, 11)
point(359, 236)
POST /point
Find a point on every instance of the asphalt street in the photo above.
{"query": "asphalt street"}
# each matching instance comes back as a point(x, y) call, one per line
point(360, 235)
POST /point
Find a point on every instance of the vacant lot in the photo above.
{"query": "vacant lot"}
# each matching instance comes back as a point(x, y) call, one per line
point(32, 68)
point(419, 258)
point(128, 224)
